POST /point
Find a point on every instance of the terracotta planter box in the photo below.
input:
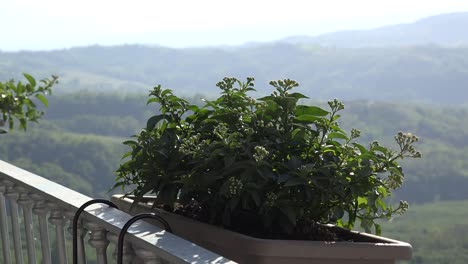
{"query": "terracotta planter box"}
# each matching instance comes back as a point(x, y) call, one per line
point(245, 249)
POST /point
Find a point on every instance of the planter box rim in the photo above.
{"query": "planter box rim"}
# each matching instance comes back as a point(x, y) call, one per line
point(384, 249)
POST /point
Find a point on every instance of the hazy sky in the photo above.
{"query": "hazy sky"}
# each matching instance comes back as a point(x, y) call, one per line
point(52, 24)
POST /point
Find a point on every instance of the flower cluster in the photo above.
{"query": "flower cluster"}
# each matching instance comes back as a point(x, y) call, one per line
point(260, 153)
point(271, 199)
point(235, 186)
point(355, 133)
point(405, 141)
point(193, 145)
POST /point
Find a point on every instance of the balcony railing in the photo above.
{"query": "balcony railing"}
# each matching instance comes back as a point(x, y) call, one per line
point(31, 205)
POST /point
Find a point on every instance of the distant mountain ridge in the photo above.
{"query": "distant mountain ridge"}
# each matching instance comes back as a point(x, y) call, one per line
point(444, 30)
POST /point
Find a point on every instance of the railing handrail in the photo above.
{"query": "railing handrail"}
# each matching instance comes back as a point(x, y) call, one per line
point(142, 234)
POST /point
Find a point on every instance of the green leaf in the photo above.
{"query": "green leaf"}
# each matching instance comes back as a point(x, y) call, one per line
point(294, 181)
point(382, 191)
point(336, 128)
point(384, 150)
point(378, 229)
point(30, 79)
point(22, 123)
point(288, 102)
point(128, 154)
point(29, 103)
point(20, 88)
point(130, 143)
point(271, 107)
point(298, 95)
point(42, 98)
point(361, 148)
point(340, 223)
point(307, 118)
point(336, 117)
point(31, 114)
point(153, 121)
point(337, 135)
point(166, 92)
point(381, 204)
point(194, 108)
point(266, 98)
point(310, 110)
point(362, 201)
point(298, 134)
point(152, 100)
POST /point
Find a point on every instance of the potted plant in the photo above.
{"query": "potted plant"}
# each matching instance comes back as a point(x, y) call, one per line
point(285, 178)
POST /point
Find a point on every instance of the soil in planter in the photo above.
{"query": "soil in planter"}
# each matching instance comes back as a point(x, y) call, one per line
point(248, 224)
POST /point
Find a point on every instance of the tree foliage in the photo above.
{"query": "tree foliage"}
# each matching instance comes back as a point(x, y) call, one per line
point(17, 101)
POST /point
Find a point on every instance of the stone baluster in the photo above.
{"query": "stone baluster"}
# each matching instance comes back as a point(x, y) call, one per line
point(26, 204)
point(149, 257)
point(57, 219)
point(4, 227)
point(98, 240)
point(12, 196)
point(81, 233)
point(41, 209)
point(128, 254)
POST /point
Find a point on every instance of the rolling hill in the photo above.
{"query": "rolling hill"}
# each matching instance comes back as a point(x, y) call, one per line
point(412, 74)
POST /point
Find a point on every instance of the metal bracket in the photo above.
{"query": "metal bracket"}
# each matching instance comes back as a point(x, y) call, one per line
point(127, 225)
point(75, 222)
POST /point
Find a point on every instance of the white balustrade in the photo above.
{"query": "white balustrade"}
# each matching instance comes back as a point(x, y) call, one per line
point(12, 196)
point(57, 219)
point(4, 227)
point(81, 233)
point(98, 240)
point(57, 204)
point(26, 204)
point(40, 209)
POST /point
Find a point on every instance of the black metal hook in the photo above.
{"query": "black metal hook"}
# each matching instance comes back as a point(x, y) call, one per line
point(75, 222)
point(127, 225)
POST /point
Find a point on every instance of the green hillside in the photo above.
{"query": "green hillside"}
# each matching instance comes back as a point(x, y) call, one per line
point(411, 74)
point(83, 162)
point(438, 232)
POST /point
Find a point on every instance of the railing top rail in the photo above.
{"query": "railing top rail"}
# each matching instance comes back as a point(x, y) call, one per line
point(141, 234)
